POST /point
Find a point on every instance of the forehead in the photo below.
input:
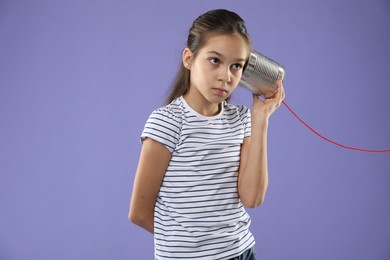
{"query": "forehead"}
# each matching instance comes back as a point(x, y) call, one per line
point(232, 46)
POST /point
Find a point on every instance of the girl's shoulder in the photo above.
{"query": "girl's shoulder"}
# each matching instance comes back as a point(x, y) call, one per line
point(173, 111)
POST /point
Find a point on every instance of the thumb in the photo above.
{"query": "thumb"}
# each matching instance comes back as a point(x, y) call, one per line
point(256, 98)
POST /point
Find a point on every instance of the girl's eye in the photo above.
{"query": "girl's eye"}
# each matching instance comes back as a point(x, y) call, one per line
point(237, 66)
point(214, 61)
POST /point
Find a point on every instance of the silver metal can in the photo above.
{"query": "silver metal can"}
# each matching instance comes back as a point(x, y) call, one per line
point(260, 75)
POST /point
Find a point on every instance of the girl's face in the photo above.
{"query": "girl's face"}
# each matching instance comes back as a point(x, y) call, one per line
point(217, 68)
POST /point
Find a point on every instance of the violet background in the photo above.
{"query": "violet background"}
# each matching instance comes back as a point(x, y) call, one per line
point(78, 80)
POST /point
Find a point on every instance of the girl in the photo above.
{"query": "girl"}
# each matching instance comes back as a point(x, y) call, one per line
point(203, 159)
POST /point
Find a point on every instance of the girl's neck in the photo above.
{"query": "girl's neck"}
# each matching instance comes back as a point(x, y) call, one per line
point(201, 105)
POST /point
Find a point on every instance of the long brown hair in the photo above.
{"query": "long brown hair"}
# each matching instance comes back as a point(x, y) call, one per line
point(219, 20)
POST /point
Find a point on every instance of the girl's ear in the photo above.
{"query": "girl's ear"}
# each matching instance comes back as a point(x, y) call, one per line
point(187, 58)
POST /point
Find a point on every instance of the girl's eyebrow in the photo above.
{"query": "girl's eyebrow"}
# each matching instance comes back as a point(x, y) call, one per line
point(221, 55)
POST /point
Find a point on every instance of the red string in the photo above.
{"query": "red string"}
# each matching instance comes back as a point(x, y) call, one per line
point(333, 142)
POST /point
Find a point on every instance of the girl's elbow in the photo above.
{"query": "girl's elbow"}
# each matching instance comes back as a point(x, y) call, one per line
point(259, 202)
point(132, 217)
point(253, 203)
point(135, 212)
point(140, 218)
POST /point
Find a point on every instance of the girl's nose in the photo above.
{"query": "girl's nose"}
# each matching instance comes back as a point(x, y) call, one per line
point(225, 75)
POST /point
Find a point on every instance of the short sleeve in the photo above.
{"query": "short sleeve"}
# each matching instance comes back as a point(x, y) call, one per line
point(245, 116)
point(164, 127)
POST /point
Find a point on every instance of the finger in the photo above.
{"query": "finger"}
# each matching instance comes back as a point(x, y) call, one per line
point(276, 94)
point(256, 98)
point(279, 90)
point(284, 93)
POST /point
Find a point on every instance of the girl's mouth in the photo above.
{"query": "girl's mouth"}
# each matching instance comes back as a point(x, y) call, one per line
point(220, 91)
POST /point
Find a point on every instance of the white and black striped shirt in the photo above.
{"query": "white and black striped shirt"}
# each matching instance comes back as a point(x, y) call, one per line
point(198, 213)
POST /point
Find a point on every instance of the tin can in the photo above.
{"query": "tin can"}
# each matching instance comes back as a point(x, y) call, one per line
point(260, 75)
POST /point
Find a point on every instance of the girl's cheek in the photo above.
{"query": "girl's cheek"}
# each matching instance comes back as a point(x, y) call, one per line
point(237, 74)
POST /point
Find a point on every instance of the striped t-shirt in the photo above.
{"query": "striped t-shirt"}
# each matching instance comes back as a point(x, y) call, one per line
point(198, 213)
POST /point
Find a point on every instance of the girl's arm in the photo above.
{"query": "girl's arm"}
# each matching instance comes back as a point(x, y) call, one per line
point(153, 163)
point(253, 173)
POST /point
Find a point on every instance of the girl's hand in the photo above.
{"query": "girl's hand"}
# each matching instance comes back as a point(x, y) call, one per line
point(263, 109)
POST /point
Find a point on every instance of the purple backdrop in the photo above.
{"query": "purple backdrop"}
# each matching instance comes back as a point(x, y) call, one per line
point(79, 78)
